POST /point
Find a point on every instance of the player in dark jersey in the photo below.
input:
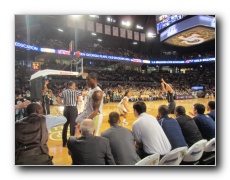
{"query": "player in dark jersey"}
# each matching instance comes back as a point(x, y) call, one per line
point(167, 88)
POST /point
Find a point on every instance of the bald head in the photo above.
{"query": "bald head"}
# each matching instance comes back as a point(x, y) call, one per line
point(87, 127)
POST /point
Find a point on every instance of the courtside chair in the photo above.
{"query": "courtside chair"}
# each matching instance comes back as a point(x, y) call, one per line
point(194, 153)
point(174, 157)
point(150, 160)
point(211, 145)
point(209, 154)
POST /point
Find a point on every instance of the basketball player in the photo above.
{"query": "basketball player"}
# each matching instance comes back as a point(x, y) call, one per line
point(80, 104)
point(167, 88)
point(94, 103)
point(123, 108)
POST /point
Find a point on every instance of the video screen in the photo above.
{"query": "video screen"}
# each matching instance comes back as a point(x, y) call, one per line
point(196, 88)
point(164, 21)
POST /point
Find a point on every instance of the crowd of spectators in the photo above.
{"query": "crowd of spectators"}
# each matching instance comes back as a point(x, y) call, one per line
point(118, 81)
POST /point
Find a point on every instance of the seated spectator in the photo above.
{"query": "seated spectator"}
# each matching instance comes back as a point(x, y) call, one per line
point(211, 108)
point(171, 128)
point(205, 123)
point(89, 149)
point(31, 138)
point(121, 141)
point(22, 105)
point(188, 126)
point(19, 113)
point(149, 136)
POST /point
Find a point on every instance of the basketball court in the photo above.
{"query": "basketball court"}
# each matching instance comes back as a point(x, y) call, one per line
point(60, 153)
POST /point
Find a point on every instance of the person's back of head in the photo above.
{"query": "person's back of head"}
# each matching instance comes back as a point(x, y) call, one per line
point(211, 105)
point(93, 75)
point(87, 127)
point(114, 118)
point(70, 84)
point(163, 110)
point(180, 110)
point(126, 93)
point(199, 108)
point(139, 107)
point(34, 108)
point(36, 100)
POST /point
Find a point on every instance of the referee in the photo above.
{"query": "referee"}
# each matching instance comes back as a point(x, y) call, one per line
point(69, 96)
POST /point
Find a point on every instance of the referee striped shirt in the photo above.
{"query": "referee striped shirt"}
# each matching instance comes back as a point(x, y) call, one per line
point(70, 97)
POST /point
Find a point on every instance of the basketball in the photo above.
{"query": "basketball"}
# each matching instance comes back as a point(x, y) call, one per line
point(78, 53)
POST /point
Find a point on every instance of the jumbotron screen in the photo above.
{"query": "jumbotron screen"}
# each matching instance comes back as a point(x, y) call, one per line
point(192, 31)
point(164, 21)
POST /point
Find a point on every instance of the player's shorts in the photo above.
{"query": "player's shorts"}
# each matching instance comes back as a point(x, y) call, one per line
point(97, 121)
point(122, 109)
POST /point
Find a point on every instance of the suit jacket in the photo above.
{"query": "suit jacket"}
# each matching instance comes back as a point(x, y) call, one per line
point(189, 129)
point(122, 145)
point(212, 114)
point(31, 136)
point(90, 150)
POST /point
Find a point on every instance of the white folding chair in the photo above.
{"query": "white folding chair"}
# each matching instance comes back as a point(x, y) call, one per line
point(209, 156)
point(210, 145)
point(174, 157)
point(150, 160)
point(195, 152)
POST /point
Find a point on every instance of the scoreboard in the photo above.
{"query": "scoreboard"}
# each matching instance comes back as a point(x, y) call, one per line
point(36, 66)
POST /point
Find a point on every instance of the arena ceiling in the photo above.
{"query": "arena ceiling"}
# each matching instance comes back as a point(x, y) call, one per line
point(49, 25)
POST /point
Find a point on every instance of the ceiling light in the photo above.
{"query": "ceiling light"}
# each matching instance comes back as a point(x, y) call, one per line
point(151, 35)
point(134, 42)
point(139, 27)
point(99, 39)
point(125, 23)
point(94, 34)
point(60, 30)
point(94, 16)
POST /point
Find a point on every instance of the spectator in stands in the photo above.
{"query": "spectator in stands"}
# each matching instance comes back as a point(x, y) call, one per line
point(171, 128)
point(149, 136)
point(211, 109)
point(188, 126)
point(19, 113)
point(31, 138)
point(89, 149)
point(121, 141)
point(22, 105)
point(205, 123)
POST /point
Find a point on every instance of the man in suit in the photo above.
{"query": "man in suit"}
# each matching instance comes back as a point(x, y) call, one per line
point(211, 109)
point(31, 138)
point(204, 122)
point(89, 149)
point(188, 126)
point(121, 141)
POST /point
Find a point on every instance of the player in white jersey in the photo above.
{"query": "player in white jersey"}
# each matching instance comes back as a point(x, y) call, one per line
point(80, 104)
point(123, 108)
point(93, 105)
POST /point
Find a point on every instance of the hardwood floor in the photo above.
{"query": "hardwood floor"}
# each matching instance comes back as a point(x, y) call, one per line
point(60, 153)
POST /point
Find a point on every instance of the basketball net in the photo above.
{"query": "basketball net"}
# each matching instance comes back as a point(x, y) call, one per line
point(84, 75)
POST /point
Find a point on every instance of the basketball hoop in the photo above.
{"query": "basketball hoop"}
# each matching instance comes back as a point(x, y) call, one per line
point(84, 75)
